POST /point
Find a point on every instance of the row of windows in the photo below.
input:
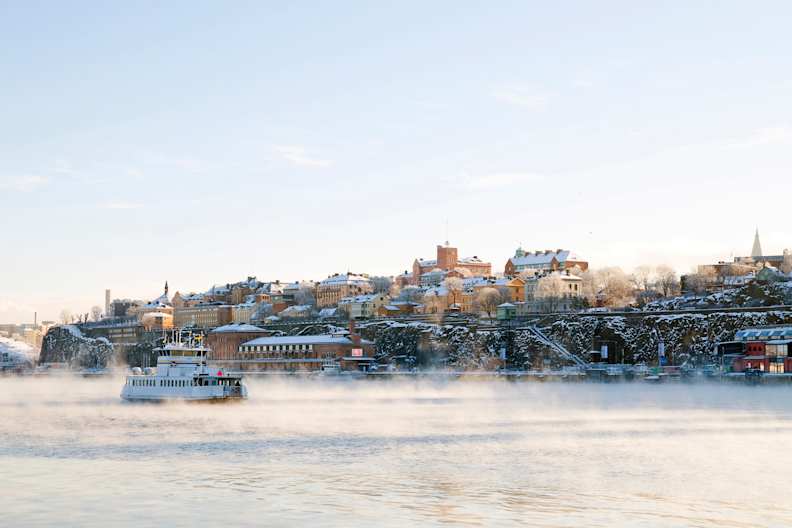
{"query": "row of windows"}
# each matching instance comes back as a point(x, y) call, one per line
point(296, 354)
point(179, 383)
point(276, 348)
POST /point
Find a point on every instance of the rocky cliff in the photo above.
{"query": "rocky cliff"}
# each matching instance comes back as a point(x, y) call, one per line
point(67, 344)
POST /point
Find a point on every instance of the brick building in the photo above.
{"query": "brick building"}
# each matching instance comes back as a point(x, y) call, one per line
point(447, 260)
point(304, 353)
point(224, 341)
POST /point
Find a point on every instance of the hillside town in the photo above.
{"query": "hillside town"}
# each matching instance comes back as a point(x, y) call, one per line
point(259, 325)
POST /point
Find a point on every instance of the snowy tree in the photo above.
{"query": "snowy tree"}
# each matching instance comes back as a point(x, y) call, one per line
point(487, 300)
point(550, 291)
point(699, 281)
point(454, 285)
point(411, 294)
point(786, 266)
point(66, 316)
point(667, 280)
point(96, 313)
point(305, 296)
point(589, 287)
point(643, 277)
point(615, 286)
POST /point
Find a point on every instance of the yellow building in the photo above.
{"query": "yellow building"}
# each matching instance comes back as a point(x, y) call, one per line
point(333, 289)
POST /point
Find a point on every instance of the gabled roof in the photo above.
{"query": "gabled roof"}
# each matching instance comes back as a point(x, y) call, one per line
point(540, 258)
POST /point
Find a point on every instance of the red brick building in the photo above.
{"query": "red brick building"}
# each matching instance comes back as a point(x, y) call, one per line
point(448, 261)
point(225, 340)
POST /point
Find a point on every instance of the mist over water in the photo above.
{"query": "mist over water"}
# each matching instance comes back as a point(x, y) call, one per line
point(398, 454)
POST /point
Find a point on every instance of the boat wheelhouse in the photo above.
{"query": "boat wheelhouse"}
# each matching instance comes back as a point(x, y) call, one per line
point(182, 373)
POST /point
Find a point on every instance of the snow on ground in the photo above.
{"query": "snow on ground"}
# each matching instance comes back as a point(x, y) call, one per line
point(16, 350)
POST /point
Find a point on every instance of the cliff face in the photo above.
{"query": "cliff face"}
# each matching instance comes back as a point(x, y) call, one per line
point(687, 337)
point(67, 344)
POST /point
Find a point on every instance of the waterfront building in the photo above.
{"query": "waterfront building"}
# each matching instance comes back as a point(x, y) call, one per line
point(543, 261)
point(342, 351)
point(767, 349)
point(224, 341)
point(336, 287)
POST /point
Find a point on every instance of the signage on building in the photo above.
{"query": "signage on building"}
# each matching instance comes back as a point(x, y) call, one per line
point(357, 352)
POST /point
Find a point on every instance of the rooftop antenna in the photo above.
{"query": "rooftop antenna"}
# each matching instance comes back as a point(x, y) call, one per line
point(446, 241)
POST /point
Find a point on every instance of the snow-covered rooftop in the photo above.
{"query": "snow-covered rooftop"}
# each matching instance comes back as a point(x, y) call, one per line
point(237, 327)
point(302, 340)
point(17, 350)
point(540, 258)
point(347, 278)
point(360, 298)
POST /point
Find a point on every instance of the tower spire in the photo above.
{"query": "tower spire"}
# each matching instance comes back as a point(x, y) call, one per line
point(756, 251)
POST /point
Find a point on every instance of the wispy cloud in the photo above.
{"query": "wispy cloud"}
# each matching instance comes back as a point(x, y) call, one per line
point(499, 180)
point(121, 205)
point(521, 96)
point(298, 156)
point(24, 183)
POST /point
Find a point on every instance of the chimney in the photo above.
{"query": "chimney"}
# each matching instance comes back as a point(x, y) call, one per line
point(353, 335)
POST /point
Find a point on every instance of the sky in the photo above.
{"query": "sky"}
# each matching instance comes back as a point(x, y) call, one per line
point(202, 142)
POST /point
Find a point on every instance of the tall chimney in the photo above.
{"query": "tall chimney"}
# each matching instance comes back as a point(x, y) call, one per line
point(353, 335)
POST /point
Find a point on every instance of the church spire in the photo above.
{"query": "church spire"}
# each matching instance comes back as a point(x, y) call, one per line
point(757, 246)
point(166, 288)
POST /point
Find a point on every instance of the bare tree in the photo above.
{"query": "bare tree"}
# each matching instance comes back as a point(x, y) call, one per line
point(454, 285)
point(642, 277)
point(96, 313)
point(305, 296)
point(487, 300)
point(615, 286)
point(786, 265)
point(66, 316)
point(411, 294)
point(589, 287)
point(549, 292)
point(667, 280)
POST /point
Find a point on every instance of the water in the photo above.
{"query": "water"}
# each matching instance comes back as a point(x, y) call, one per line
point(398, 454)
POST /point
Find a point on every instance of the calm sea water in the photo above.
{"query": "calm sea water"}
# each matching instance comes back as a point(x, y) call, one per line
point(396, 454)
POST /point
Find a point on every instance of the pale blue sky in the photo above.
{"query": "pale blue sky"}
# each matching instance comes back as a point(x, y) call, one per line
point(201, 142)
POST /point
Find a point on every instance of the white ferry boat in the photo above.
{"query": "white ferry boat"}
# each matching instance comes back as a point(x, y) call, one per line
point(182, 374)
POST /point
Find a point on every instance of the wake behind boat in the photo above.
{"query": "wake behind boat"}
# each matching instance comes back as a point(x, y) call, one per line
point(182, 374)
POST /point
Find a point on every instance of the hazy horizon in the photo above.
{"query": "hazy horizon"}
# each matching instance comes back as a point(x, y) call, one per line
point(201, 143)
